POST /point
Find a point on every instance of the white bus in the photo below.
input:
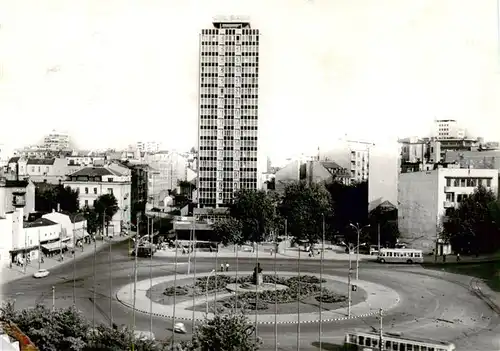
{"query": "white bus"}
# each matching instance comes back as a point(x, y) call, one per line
point(369, 341)
point(400, 255)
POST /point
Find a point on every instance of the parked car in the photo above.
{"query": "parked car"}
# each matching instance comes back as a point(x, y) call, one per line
point(41, 273)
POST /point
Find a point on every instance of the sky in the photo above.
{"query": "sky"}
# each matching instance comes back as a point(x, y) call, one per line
point(111, 73)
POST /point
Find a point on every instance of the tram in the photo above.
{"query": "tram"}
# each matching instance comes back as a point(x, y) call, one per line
point(370, 341)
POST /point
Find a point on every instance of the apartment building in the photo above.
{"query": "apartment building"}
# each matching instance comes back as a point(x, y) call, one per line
point(228, 110)
point(92, 182)
point(425, 196)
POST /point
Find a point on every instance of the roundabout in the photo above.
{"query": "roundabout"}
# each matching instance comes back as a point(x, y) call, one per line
point(432, 304)
point(368, 300)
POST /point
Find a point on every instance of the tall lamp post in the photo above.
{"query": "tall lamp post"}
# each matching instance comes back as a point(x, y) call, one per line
point(75, 216)
point(359, 230)
point(349, 283)
point(110, 262)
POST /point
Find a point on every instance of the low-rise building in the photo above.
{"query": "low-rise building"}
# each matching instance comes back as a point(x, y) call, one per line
point(92, 182)
point(14, 192)
point(424, 197)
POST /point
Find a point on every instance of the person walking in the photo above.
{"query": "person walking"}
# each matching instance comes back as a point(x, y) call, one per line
point(227, 267)
point(458, 256)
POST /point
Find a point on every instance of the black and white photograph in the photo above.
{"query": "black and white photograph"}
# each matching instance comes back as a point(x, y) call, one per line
point(250, 175)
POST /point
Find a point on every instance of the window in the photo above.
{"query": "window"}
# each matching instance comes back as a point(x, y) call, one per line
point(488, 182)
point(33, 169)
point(395, 346)
point(39, 169)
point(110, 191)
point(448, 181)
point(86, 202)
point(86, 190)
point(95, 191)
point(110, 180)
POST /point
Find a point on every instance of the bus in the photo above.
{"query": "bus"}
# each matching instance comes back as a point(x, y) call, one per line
point(400, 255)
point(369, 341)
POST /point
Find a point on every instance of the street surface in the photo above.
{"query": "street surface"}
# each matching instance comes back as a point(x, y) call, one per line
point(433, 304)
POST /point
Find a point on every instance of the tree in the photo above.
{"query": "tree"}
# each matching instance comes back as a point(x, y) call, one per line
point(228, 231)
point(67, 329)
point(48, 197)
point(256, 211)
point(225, 333)
point(92, 218)
point(384, 222)
point(474, 225)
point(304, 206)
point(106, 205)
point(350, 205)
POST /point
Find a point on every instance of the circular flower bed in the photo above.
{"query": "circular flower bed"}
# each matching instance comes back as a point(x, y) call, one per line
point(177, 290)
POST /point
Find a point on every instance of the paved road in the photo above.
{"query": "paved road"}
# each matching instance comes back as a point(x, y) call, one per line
point(431, 306)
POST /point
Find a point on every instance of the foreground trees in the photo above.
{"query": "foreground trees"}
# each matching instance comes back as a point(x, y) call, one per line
point(67, 329)
point(474, 225)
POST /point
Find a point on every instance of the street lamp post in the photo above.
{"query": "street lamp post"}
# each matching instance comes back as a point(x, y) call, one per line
point(74, 255)
point(206, 291)
point(358, 232)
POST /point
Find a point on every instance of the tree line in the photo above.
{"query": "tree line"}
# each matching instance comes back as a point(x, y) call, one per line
point(67, 329)
point(257, 215)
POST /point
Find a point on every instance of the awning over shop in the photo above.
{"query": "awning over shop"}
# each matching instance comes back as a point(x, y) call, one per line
point(57, 245)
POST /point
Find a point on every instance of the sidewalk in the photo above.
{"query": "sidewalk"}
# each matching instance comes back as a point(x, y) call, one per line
point(290, 253)
point(16, 272)
point(452, 259)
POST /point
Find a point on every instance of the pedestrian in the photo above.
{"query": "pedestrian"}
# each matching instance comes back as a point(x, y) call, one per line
point(444, 258)
point(227, 267)
point(222, 267)
point(458, 256)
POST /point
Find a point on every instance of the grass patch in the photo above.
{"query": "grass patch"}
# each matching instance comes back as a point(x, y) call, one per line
point(488, 271)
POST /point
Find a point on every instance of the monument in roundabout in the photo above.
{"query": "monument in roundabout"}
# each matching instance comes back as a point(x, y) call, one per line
point(256, 284)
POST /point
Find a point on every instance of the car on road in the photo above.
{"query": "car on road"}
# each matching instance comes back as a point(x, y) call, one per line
point(41, 273)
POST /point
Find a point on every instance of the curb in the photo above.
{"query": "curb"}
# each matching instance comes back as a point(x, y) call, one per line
point(128, 304)
point(479, 293)
point(329, 320)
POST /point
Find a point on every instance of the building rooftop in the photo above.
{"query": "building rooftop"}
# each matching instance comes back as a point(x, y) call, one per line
point(6, 183)
point(41, 161)
point(14, 159)
point(40, 222)
point(92, 172)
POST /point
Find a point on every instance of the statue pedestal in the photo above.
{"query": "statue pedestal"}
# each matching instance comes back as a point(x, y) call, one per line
point(260, 279)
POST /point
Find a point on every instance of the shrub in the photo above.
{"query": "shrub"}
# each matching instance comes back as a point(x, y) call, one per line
point(330, 297)
point(178, 290)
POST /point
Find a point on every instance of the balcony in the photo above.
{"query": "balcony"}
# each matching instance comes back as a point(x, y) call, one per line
point(448, 189)
point(448, 204)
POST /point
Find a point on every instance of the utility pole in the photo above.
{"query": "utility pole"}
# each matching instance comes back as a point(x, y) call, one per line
point(39, 251)
point(53, 298)
point(151, 276)
point(321, 285)
point(298, 303)
point(378, 235)
point(381, 340)
point(93, 284)
point(135, 268)
point(175, 290)
point(110, 271)
point(25, 261)
point(349, 287)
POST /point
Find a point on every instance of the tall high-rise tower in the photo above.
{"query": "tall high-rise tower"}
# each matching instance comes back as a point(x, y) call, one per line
point(228, 110)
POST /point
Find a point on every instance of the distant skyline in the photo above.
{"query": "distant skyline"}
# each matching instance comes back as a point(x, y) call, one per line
point(115, 72)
